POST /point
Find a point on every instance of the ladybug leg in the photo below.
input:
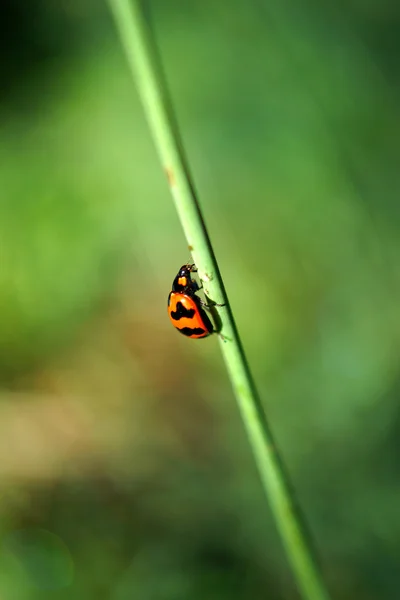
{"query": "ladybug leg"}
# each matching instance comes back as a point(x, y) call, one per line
point(210, 303)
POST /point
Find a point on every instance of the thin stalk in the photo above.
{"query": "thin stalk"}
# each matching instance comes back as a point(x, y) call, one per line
point(138, 43)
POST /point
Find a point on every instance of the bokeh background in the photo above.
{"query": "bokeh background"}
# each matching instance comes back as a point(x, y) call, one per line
point(124, 469)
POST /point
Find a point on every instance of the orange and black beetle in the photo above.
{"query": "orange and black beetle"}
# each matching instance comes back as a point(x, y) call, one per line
point(185, 309)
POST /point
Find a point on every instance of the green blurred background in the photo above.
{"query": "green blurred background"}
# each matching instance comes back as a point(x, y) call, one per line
point(124, 469)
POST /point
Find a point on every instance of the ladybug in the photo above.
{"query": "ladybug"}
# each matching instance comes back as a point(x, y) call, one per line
point(185, 309)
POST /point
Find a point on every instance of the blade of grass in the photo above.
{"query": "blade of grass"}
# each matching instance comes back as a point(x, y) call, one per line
point(139, 46)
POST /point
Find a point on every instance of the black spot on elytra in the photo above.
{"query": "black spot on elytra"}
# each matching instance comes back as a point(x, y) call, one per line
point(192, 331)
point(182, 312)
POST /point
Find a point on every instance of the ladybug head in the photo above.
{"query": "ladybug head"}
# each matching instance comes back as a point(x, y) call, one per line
point(183, 281)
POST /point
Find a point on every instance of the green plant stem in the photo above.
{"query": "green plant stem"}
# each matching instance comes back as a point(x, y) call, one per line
point(139, 46)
